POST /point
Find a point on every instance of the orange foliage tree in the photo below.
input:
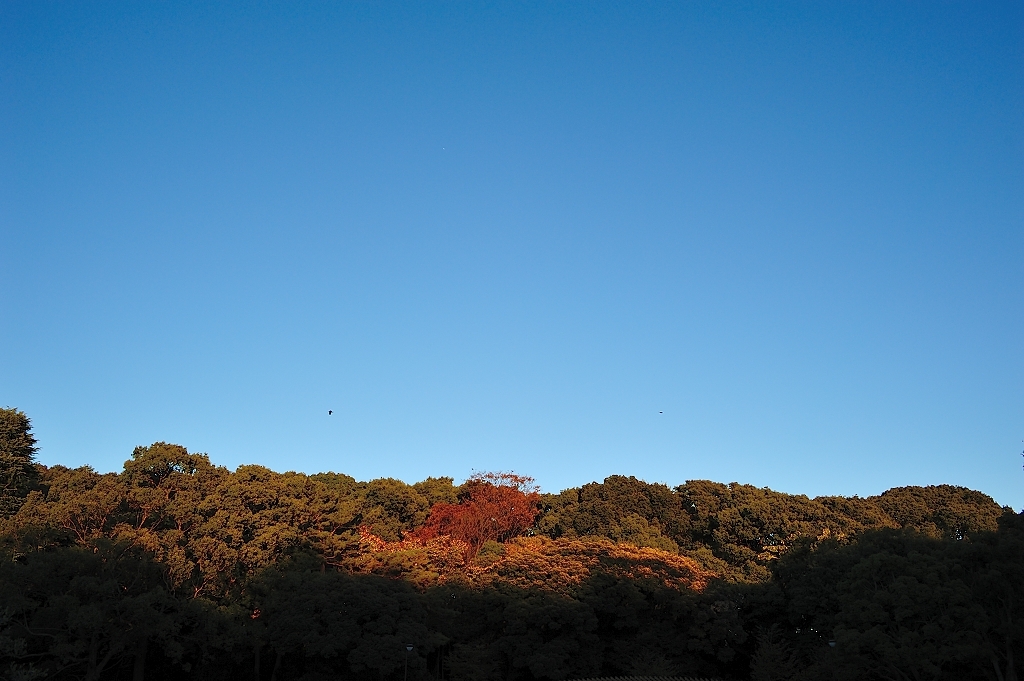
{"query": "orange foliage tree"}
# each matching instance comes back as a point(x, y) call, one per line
point(492, 507)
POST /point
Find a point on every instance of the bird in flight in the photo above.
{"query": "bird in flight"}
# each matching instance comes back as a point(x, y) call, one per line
point(329, 412)
point(660, 412)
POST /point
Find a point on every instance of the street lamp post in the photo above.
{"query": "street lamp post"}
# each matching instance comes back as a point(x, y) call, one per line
point(408, 649)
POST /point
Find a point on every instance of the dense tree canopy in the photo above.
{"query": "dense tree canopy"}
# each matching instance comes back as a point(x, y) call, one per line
point(176, 568)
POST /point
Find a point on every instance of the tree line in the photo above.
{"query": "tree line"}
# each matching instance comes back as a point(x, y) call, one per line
point(176, 568)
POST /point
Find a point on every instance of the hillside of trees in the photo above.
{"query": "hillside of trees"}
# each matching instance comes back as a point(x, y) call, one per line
point(176, 568)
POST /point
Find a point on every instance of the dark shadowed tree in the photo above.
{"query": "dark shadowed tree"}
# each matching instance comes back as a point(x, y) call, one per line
point(85, 611)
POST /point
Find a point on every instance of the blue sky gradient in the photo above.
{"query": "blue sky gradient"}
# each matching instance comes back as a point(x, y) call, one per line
point(509, 236)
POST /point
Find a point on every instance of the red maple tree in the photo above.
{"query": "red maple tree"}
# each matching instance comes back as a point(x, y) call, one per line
point(492, 507)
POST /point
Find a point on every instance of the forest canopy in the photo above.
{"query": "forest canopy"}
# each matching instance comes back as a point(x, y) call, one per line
point(177, 568)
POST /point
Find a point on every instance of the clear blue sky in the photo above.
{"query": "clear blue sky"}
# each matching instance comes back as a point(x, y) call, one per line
point(511, 235)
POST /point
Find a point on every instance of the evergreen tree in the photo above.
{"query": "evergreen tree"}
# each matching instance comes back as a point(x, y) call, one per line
point(17, 460)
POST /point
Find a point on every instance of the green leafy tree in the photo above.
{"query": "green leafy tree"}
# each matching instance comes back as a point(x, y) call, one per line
point(438, 490)
point(18, 473)
point(391, 508)
point(165, 488)
point(941, 510)
point(620, 508)
point(79, 506)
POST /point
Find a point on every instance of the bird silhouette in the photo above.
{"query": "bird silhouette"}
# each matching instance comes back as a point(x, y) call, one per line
point(661, 412)
point(329, 412)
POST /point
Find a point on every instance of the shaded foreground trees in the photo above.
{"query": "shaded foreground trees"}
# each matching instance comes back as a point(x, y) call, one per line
point(176, 568)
